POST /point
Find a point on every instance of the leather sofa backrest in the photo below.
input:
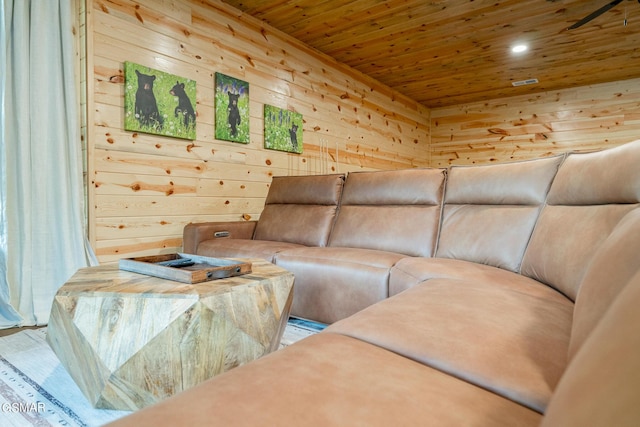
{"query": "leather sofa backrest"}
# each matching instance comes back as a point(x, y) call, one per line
point(600, 385)
point(490, 211)
point(300, 209)
point(396, 211)
point(613, 265)
point(591, 193)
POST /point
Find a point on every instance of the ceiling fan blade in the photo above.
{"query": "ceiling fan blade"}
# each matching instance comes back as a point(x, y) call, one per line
point(595, 14)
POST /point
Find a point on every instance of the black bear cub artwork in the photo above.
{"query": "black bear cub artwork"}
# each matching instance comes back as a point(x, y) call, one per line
point(146, 109)
point(233, 113)
point(184, 104)
point(294, 136)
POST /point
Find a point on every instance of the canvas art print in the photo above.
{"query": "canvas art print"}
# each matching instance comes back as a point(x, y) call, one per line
point(282, 129)
point(232, 109)
point(159, 103)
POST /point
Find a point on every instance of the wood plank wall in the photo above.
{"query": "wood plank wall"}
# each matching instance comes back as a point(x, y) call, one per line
point(144, 188)
point(530, 126)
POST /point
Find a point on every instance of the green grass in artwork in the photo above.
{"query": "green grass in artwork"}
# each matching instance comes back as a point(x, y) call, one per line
point(282, 129)
point(159, 103)
point(232, 109)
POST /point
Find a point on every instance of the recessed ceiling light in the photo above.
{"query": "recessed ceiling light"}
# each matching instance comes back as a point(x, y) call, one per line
point(519, 48)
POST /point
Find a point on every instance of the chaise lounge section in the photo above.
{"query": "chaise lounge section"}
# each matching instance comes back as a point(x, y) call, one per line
point(497, 295)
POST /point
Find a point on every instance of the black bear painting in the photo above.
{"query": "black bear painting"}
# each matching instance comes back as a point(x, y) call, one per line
point(159, 103)
point(146, 105)
point(184, 104)
point(233, 114)
point(232, 109)
point(282, 129)
point(294, 137)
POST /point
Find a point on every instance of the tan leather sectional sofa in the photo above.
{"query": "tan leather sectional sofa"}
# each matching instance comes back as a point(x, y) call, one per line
point(499, 295)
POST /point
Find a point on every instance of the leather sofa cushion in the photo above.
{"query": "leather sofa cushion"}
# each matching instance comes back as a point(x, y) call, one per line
point(398, 187)
point(243, 248)
point(490, 211)
point(306, 190)
point(396, 211)
point(492, 235)
point(591, 193)
point(333, 283)
point(300, 209)
point(600, 386)
point(613, 265)
point(506, 338)
point(565, 240)
point(403, 229)
point(301, 224)
point(331, 380)
point(410, 271)
point(515, 183)
point(603, 177)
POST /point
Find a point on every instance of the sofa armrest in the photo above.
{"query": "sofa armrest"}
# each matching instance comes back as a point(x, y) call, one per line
point(196, 233)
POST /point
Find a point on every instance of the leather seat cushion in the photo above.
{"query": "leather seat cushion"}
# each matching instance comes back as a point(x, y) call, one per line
point(332, 380)
point(243, 248)
point(502, 337)
point(409, 272)
point(333, 283)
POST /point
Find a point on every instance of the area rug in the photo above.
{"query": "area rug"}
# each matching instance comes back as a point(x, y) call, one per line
point(36, 390)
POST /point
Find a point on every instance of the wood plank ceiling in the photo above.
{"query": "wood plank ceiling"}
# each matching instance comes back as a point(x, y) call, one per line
point(448, 52)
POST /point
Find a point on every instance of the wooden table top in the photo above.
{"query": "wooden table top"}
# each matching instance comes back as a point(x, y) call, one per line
point(110, 279)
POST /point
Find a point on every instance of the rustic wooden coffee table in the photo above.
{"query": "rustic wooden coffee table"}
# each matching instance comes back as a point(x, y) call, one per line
point(130, 340)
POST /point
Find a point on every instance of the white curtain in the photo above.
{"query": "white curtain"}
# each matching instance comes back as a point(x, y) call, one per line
point(43, 239)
